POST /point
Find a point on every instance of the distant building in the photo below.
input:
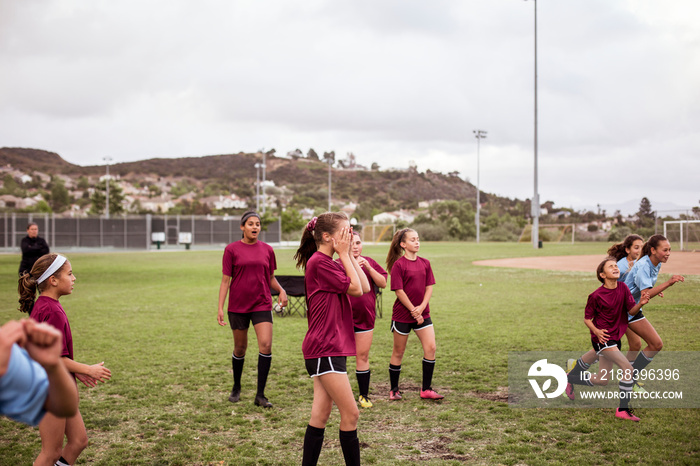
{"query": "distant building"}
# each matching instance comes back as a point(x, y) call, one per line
point(224, 202)
point(393, 217)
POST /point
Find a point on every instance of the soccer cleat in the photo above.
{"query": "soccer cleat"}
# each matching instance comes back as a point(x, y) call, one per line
point(235, 395)
point(570, 391)
point(430, 394)
point(638, 388)
point(570, 364)
point(626, 414)
point(394, 395)
point(364, 402)
point(260, 400)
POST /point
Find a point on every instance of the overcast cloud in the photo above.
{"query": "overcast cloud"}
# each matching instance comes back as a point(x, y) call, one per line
point(389, 80)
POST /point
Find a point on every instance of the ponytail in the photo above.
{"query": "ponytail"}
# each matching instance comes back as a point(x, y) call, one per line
point(395, 250)
point(313, 235)
point(28, 286)
point(652, 242)
point(619, 250)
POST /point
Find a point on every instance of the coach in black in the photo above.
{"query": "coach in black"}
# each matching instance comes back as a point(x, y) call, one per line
point(33, 247)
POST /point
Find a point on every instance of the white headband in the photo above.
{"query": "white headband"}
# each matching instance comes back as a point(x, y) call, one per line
point(55, 265)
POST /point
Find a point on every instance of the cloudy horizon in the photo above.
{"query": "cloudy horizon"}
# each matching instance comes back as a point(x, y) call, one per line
point(390, 81)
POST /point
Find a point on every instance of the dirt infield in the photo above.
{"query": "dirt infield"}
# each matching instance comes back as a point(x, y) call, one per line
point(680, 263)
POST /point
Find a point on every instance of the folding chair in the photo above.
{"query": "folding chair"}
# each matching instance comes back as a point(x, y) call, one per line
point(296, 294)
point(379, 305)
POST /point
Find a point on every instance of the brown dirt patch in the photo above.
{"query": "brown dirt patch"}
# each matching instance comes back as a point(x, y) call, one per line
point(680, 263)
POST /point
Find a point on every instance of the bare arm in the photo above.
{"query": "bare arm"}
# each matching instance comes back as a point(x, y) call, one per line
point(44, 345)
point(275, 285)
point(667, 284)
point(642, 301)
point(355, 288)
point(377, 278)
point(601, 334)
point(223, 291)
point(363, 278)
point(95, 372)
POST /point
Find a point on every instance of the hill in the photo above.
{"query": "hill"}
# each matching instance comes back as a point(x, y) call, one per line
point(306, 179)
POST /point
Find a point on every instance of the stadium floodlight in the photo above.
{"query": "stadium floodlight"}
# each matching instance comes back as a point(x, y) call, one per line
point(257, 186)
point(535, 204)
point(479, 135)
point(107, 160)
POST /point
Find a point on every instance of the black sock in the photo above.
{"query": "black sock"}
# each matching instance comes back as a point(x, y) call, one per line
point(394, 374)
point(428, 367)
point(625, 393)
point(61, 462)
point(641, 362)
point(313, 442)
point(351, 447)
point(363, 382)
point(264, 361)
point(574, 376)
point(237, 364)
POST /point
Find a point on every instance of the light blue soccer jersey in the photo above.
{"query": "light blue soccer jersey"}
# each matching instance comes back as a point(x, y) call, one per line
point(624, 267)
point(23, 388)
point(641, 276)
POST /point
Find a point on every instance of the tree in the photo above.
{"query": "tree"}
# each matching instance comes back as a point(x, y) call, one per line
point(60, 199)
point(292, 221)
point(116, 196)
point(645, 214)
point(329, 156)
point(375, 166)
point(312, 155)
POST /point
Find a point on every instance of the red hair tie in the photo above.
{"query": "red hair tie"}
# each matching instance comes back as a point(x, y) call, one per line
point(311, 225)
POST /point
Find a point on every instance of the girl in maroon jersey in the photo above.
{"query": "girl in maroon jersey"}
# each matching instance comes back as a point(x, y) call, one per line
point(330, 337)
point(364, 314)
point(53, 277)
point(606, 318)
point(248, 274)
point(412, 279)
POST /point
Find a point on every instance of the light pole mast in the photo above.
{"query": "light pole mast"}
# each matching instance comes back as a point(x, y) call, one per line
point(264, 164)
point(107, 179)
point(479, 135)
point(330, 161)
point(257, 187)
point(535, 205)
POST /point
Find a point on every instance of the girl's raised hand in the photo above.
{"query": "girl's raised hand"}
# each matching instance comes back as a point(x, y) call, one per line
point(342, 244)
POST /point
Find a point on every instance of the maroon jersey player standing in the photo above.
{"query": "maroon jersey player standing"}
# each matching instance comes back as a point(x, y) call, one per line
point(330, 339)
point(248, 274)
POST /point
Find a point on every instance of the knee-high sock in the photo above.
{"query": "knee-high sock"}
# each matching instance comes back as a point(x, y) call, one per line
point(625, 393)
point(428, 367)
point(237, 364)
point(264, 361)
point(351, 447)
point(363, 381)
point(394, 374)
point(642, 361)
point(574, 376)
point(313, 442)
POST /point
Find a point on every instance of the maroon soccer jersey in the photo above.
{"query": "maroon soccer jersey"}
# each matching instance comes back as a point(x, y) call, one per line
point(330, 314)
point(412, 277)
point(50, 311)
point(364, 307)
point(250, 267)
point(608, 310)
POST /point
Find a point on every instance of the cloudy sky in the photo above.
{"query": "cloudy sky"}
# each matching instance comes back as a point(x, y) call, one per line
point(392, 81)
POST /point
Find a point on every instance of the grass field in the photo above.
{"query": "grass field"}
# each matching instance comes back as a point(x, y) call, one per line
point(152, 318)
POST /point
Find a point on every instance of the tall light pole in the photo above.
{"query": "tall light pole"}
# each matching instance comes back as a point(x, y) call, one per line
point(535, 205)
point(107, 160)
point(479, 135)
point(257, 186)
point(330, 162)
point(264, 165)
